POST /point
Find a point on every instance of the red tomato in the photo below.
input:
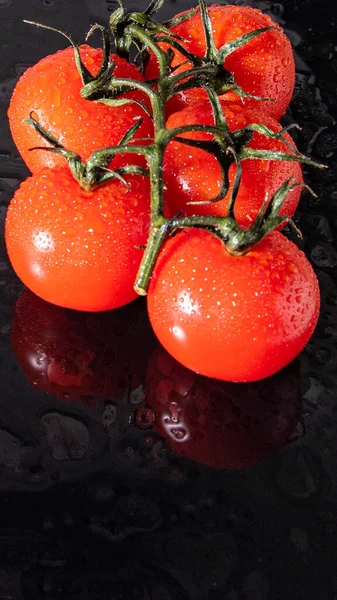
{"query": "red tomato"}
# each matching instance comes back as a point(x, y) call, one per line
point(78, 248)
point(51, 89)
point(233, 318)
point(222, 425)
point(82, 356)
point(263, 67)
point(191, 174)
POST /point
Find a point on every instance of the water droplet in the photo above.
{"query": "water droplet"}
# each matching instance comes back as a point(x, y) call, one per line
point(179, 433)
point(145, 417)
point(324, 256)
point(292, 268)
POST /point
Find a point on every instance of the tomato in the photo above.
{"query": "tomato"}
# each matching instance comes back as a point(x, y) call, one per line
point(263, 67)
point(220, 424)
point(82, 356)
point(191, 174)
point(233, 318)
point(51, 89)
point(78, 248)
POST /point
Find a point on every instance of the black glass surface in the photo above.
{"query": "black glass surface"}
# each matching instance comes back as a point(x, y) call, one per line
point(124, 476)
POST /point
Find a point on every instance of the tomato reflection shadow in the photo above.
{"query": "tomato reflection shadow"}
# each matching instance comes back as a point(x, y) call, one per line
point(223, 425)
point(81, 356)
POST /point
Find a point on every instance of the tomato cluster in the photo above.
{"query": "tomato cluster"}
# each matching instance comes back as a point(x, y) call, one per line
point(76, 234)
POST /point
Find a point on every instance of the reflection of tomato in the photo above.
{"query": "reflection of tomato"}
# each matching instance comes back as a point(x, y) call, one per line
point(77, 355)
point(223, 425)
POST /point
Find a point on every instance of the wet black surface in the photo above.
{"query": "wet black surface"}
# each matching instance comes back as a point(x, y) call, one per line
point(123, 475)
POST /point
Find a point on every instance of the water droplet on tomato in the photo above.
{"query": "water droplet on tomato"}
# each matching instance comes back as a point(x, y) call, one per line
point(56, 97)
point(292, 268)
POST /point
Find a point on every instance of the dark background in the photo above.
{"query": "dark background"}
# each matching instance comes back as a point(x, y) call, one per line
point(94, 503)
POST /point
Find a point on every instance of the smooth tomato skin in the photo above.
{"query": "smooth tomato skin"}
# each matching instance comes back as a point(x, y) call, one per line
point(233, 318)
point(220, 424)
point(51, 89)
point(263, 67)
point(75, 248)
point(192, 174)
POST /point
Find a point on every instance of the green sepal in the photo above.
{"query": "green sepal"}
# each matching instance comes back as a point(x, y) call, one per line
point(43, 132)
point(168, 39)
point(127, 137)
point(101, 174)
point(230, 47)
point(73, 159)
point(276, 135)
point(98, 85)
point(265, 222)
point(279, 197)
point(85, 75)
point(150, 26)
point(106, 48)
point(122, 102)
point(117, 16)
point(182, 18)
point(236, 185)
point(212, 52)
point(153, 7)
point(236, 89)
point(252, 154)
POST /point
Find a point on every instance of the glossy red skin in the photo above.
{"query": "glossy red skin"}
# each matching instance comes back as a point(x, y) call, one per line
point(75, 248)
point(221, 424)
point(51, 89)
point(81, 356)
point(194, 175)
point(233, 318)
point(263, 67)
